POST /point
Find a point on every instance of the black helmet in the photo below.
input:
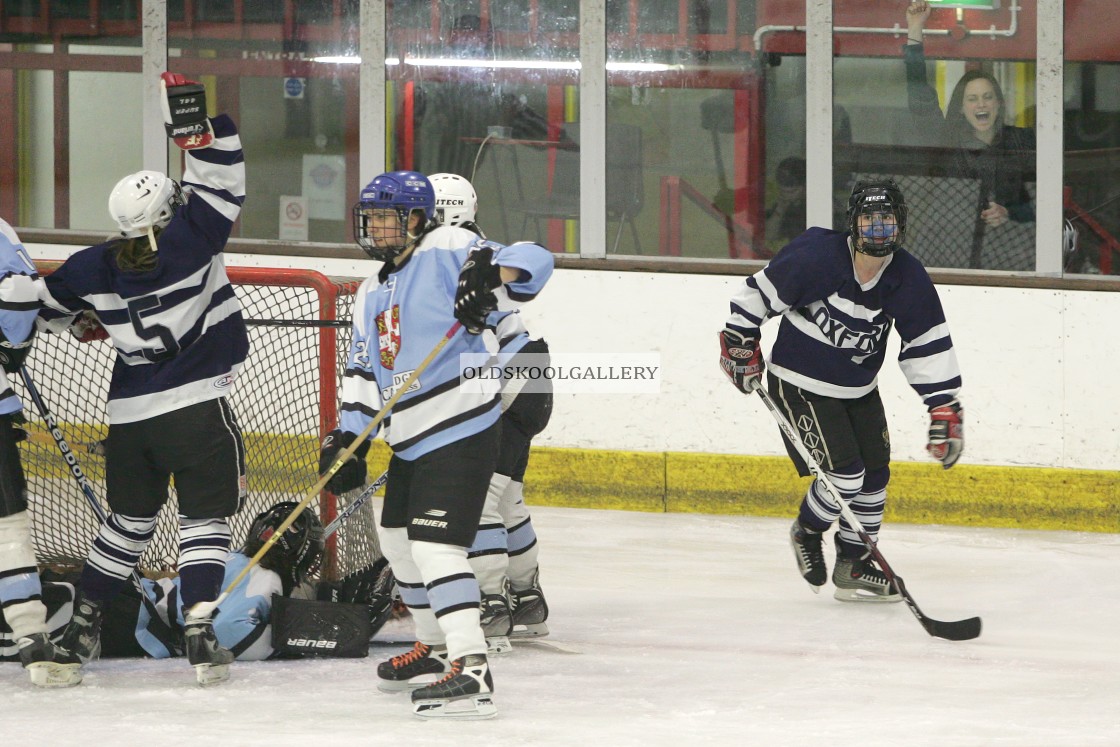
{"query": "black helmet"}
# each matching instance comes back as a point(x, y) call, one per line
point(297, 553)
point(877, 199)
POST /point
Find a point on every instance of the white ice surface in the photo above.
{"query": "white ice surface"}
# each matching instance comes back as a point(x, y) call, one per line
point(689, 630)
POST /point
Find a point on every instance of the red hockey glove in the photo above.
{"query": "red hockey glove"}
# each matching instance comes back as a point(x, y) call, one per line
point(184, 112)
point(87, 328)
point(946, 433)
point(741, 359)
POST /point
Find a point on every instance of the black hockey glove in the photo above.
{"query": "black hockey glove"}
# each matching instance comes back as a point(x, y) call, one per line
point(474, 298)
point(184, 112)
point(946, 433)
point(13, 354)
point(352, 473)
point(741, 359)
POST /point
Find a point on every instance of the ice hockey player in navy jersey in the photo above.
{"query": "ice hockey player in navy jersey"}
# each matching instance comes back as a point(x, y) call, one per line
point(444, 434)
point(838, 295)
point(161, 293)
point(21, 598)
point(505, 551)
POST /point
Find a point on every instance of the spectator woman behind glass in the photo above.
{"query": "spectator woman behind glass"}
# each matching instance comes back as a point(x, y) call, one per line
point(999, 155)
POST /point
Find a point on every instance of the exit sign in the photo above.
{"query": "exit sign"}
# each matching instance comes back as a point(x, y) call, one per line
point(973, 4)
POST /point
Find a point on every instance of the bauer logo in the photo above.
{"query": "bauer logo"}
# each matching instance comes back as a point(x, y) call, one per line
point(224, 382)
point(312, 643)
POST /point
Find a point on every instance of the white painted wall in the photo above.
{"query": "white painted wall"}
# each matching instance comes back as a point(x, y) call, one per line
point(1038, 373)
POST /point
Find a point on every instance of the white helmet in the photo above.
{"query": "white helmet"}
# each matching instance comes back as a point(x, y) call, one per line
point(144, 200)
point(456, 202)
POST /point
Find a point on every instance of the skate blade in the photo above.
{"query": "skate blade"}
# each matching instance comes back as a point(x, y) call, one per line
point(52, 674)
point(860, 595)
point(474, 708)
point(532, 630)
point(498, 644)
point(211, 674)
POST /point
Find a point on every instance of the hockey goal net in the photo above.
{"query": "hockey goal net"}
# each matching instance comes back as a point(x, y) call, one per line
point(285, 399)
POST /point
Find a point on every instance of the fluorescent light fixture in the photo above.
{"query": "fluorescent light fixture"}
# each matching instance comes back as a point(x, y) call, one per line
point(634, 67)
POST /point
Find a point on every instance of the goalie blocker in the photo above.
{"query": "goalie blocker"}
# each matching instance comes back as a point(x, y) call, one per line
point(310, 627)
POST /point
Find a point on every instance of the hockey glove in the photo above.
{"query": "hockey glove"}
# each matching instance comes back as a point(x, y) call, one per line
point(13, 354)
point(946, 433)
point(352, 473)
point(184, 112)
point(741, 359)
point(87, 328)
point(474, 297)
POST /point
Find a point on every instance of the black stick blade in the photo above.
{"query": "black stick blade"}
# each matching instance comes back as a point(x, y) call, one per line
point(956, 630)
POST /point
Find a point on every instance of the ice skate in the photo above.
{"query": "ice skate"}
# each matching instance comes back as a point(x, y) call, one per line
point(396, 675)
point(49, 665)
point(82, 636)
point(465, 693)
point(806, 545)
point(860, 580)
point(210, 661)
point(497, 621)
point(529, 611)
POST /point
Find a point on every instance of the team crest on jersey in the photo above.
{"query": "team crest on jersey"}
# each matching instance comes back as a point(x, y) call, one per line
point(389, 335)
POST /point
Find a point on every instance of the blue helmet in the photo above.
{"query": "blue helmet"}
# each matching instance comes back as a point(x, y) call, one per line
point(403, 191)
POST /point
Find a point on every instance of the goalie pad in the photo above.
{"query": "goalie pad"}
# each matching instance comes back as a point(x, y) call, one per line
point(308, 627)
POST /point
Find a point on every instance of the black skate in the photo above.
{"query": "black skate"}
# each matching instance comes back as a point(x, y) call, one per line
point(394, 676)
point(497, 621)
point(860, 580)
point(529, 611)
point(210, 661)
point(463, 694)
point(82, 636)
point(49, 665)
point(806, 545)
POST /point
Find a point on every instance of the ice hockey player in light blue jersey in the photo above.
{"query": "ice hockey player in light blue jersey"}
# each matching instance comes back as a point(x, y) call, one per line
point(443, 433)
point(20, 589)
point(838, 295)
point(161, 293)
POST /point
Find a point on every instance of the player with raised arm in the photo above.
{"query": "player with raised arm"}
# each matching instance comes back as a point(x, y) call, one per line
point(161, 292)
point(20, 590)
point(838, 295)
point(504, 555)
point(444, 435)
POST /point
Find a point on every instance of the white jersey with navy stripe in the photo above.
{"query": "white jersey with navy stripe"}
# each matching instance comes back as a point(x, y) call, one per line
point(399, 317)
point(20, 291)
point(833, 333)
point(178, 330)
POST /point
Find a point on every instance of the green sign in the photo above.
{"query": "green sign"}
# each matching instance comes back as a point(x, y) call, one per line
point(973, 4)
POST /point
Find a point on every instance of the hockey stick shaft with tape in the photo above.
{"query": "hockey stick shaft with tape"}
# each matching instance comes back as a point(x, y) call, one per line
point(206, 609)
point(957, 630)
point(354, 505)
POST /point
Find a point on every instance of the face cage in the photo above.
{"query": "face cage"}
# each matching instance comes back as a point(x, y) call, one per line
point(878, 249)
point(366, 242)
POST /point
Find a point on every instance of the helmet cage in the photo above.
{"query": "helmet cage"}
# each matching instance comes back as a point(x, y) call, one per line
point(297, 553)
point(146, 199)
point(400, 191)
point(877, 203)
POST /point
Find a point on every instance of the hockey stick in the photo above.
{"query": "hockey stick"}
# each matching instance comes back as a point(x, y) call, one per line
point(956, 630)
point(354, 505)
point(206, 609)
point(337, 323)
point(71, 460)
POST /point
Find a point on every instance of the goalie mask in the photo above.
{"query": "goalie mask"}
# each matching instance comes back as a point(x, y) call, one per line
point(877, 217)
point(143, 201)
point(456, 201)
point(296, 554)
point(398, 194)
